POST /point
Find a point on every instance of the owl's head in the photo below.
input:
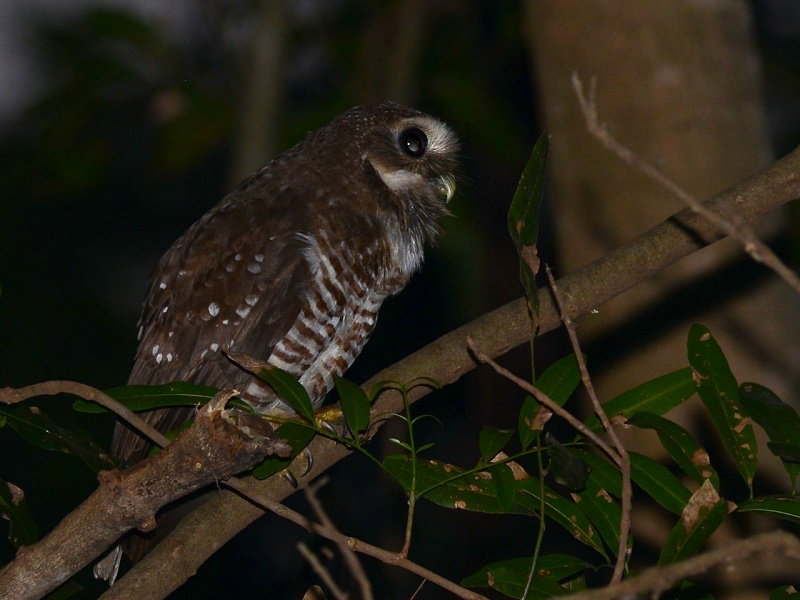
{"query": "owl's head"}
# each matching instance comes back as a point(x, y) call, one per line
point(407, 159)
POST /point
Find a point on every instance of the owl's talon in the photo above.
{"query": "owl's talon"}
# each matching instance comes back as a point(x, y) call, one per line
point(309, 462)
point(289, 476)
point(332, 419)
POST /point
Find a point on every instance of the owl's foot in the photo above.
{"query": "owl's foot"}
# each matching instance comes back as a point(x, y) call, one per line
point(304, 462)
point(332, 419)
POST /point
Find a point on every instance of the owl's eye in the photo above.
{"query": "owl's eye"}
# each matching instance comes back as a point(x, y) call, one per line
point(413, 142)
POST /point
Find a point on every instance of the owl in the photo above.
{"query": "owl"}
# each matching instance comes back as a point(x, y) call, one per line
point(293, 265)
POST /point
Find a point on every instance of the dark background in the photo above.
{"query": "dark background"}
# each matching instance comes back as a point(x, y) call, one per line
point(131, 135)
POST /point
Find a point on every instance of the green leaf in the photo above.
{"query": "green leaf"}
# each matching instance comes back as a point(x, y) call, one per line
point(297, 435)
point(523, 219)
point(658, 396)
point(719, 391)
point(504, 484)
point(290, 391)
point(785, 591)
point(451, 487)
point(565, 513)
point(355, 406)
point(602, 510)
point(37, 428)
point(659, 483)
point(780, 422)
point(527, 425)
point(786, 508)
point(510, 576)
point(491, 440)
point(606, 475)
point(685, 539)
point(681, 446)
point(788, 452)
point(146, 397)
point(560, 379)
point(23, 529)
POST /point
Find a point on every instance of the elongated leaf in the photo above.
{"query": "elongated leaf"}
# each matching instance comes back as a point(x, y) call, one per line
point(558, 381)
point(785, 592)
point(23, 529)
point(355, 405)
point(146, 397)
point(602, 510)
point(659, 483)
point(448, 485)
point(510, 576)
point(37, 428)
point(528, 425)
point(602, 472)
point(523, 219)
point(298, 436)
point(719, 391)
point(565, 513)
point(504, 485)
point(491, 440)
point(657, 396)
point(681, 445)
point(780, 422)
point(686, 538)
point(786, 508)
point(290, 391)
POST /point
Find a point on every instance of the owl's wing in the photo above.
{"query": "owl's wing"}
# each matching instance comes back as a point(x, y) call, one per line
point(233, 281)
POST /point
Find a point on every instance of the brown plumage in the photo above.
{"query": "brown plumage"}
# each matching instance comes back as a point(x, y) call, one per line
point(293, 265)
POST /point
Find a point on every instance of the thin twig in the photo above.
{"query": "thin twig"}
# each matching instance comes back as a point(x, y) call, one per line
point(390, 558)
point(663, 577)
point(624, 460)
point(350, 558)
point(546, 400)
point(728, 222)
point(51, 388)
point(321, 571)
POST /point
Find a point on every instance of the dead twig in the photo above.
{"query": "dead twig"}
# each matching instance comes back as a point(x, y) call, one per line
point(728, 221)
point(350, 557)
point(622, 458)
point(51, 388)
point(356, 545)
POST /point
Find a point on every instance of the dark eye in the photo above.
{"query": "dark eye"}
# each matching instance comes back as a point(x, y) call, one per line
point(413, 142)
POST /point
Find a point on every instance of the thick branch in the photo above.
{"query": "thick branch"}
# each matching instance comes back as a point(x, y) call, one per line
point(448, 358)
point(214, 448)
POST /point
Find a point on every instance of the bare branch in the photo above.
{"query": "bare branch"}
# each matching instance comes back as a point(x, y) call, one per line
point(356, 545)
point(201, 533)
point(350, 558)
point(218, 445)
point(658, 579)
point(546, 401)
point(51, 388)
point(730, 223)
point(321, 571)
point(623, 460)
point(448, 358)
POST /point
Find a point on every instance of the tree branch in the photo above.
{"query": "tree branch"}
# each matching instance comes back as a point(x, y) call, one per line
point(218, 445)
point(129, 499)
point(448, 358)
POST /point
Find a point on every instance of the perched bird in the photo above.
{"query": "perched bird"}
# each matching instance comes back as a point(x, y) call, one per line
point(293, 265)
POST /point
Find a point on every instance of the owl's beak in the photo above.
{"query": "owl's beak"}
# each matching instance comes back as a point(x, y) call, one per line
point(446, 186)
